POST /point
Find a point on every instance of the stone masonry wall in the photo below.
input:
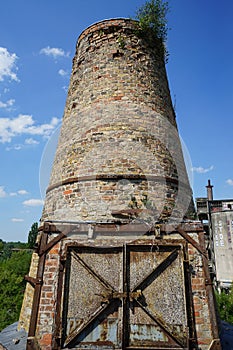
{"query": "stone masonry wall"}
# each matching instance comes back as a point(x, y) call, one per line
point(119, 147)
point(26, 309)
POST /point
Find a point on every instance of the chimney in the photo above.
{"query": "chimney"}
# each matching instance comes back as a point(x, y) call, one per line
point(112, 265)
point(209, 191)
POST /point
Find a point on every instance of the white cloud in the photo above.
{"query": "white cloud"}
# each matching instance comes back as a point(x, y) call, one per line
point(229, 182)
point(62, 72)
point(7, 104)
point(17, 220)
point(55, 52)
point(14, 147)
point(31, 141)
point(22, 192)
point(24, 124)
point(12, 194)
point(201, 170)
point(2, 192)
point(33, 202)
point(7, 65)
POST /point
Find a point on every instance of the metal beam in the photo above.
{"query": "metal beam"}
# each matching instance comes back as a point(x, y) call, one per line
point(190, 240)
point(37, 293)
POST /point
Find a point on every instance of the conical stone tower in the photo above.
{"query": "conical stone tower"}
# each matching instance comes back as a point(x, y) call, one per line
point(111, 268)
point(119, 148)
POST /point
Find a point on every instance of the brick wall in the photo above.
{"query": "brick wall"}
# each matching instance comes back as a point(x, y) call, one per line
point(204, 314)
point(119, 147)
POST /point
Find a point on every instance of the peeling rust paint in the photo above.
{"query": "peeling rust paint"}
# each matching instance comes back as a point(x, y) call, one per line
point(118, 295)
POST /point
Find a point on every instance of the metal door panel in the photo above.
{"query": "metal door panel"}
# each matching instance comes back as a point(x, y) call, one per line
point(129, 297)
point(158, 315)
point(87, 305)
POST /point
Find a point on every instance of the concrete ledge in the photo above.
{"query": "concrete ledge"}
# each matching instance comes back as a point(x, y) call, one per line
point(12, 339)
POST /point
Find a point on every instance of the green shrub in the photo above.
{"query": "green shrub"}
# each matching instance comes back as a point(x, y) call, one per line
point(152, 17)
point(12, 285)
point(225, 305)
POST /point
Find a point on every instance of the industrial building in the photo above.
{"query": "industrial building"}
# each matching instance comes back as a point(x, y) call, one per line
point(217, 218)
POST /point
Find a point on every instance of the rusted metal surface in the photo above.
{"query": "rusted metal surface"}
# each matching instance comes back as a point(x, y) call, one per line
point(58, 319)
point(189, 301)
point(162, 302)
point(129, 295)
point(116, 298)
point(211, 298)
point(67, 227)
point(190, 240)
point(31, 344)
point(45, 248)
point(42, 249)
point(48, 227)
point(33, 281)
point(87, 296)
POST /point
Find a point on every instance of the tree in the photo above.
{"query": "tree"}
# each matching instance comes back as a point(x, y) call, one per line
point(152, 17)
point(32, 235)
point(225, 305)
point(1, 246)
point(6, 251)
point(12, 285)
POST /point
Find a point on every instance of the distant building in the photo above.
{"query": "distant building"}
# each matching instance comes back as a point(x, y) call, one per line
point(217, 218)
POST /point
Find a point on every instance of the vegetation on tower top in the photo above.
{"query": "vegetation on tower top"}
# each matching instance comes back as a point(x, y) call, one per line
point(152, 18)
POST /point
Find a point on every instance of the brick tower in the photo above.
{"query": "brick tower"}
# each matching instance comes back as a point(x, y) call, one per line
point(112, 266)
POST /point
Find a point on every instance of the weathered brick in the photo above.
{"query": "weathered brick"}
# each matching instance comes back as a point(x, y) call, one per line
point(54, 250)
point(46, 340)
point(120, 100)
point(67, 192)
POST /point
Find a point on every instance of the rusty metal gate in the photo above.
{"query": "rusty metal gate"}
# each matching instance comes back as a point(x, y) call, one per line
point(128, 297)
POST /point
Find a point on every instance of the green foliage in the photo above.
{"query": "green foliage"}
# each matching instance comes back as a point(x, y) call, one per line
point(152, 16)
point(153, 21)
point(12, 285)
point(121, 42)
point(6, 248)
point(32, 235)
point(1, 246)
point(225, 305)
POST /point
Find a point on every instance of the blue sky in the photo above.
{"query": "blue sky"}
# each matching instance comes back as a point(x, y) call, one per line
point(37, 44)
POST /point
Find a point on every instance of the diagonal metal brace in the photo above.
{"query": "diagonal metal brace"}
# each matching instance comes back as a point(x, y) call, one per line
point(191, 241)
point(50, 228)
point(52, 243)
